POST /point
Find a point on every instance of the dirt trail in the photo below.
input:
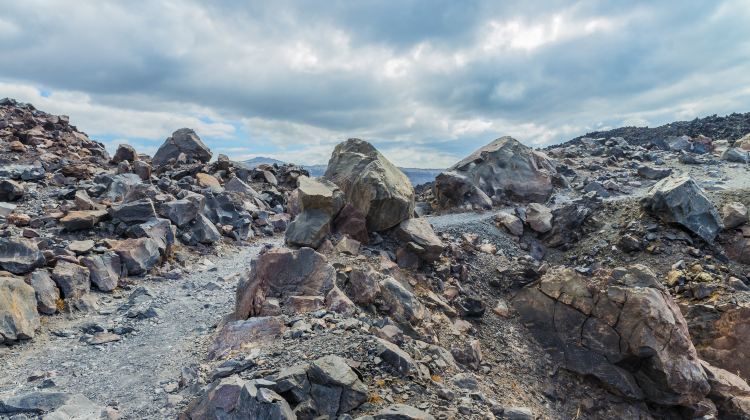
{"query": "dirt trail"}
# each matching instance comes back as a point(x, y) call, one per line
point(131, 374)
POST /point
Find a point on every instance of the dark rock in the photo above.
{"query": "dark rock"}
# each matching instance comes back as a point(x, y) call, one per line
point(72, 279)
point(503, 169)
point(138, 255)
point(183, 141)
point(20, 256)
point(125, 152)
point(47, 293)
point(680, 200)
point(105, 270)
point(10, 190)
point(135, 211)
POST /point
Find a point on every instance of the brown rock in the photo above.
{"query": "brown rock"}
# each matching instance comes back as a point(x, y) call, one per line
point(83, 219)
point(19, 319)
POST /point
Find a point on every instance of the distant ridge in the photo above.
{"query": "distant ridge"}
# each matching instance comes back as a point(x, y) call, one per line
point(417, 176)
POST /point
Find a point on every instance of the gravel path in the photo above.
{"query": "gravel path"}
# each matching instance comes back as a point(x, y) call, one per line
point(132, 374)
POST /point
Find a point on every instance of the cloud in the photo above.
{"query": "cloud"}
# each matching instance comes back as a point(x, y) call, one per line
point(428, 81)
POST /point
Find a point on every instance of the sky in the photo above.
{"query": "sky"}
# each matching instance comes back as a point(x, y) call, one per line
point(427, 82)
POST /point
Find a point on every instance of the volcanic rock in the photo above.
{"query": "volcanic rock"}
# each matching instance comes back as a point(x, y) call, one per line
point(183, 141)
point(624, 329)
point(280, 273)
point(138, 255)
point(72, 279)
point(503, 169)
point(734, 214)
point(19, 319)
point(10, 190)
point(371, 183)
point(19, 255)
point(47, 293)
point(679, 200)
point(420, 238)
point(83, 219)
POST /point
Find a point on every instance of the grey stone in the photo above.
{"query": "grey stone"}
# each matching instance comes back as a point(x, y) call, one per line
point(20, 255)
point(105, 270)
point(47, 293)
point(72, 279)
point(19, 318)
point(183, 141)
point(135, 211)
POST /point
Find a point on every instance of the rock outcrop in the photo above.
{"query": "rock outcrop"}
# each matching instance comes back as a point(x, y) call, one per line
point(282, 273)
point(371, 183)
point(502, 170)
point(624, 329)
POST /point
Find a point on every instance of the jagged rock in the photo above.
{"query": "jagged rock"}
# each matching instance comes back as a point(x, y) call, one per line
point(142, 169)
point(351, 222)
point(19, 319)
point(735, 154)
point(135, 211)
point(652, 173)
point(335, 388)
point(51, 406)
point(125, 152)
point(47, 293)
point(402, 412)
point(117, 185)
point(83, 201)
point(20, 256)
point(281, 273)
point(734, 214)
point(72, 279)
point(10, 190)
point(510, 222)
point(371, 183)
point(503, 169)
point(364, 286)
point(398, 359)
point(105, 270)
point(569, 220)
point(83, 219)
point(138, 255)
point(181, 212)
point(738, 246)
point(729, 392)
point(236, 185)
point(203, 231)
point(318, 202)
point(743, 143)
point(680, 200)
point(183, 141)
point(262, 404)
point(420, 239)
point(160, 230)
point(347, 246)
point(308, 229)
point(404, 306)
point(623, 329)
point(539, 217)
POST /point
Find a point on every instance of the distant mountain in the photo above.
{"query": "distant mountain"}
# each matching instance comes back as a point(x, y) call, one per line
point(260, 160)
point(417, 176)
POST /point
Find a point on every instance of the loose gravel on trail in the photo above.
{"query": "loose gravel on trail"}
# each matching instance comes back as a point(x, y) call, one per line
point(132, 374)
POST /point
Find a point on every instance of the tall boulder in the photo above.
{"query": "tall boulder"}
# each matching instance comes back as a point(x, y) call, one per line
point(183, 141)
point(679, 200)
point(282, 273)
point(18, 316)
point(622, 328)
point(371, 183)
point(503, 169)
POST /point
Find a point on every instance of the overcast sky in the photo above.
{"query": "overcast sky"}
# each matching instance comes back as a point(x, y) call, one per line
point(426, 81)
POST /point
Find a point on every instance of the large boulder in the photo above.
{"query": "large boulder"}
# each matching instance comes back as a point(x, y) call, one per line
point(20, 256)
point(735, 154)
point(181, 212)
point(420, 238)
point(18, 316)
point(622, 328)
point(503, 169)
point(282, 273)
point(371, 183)
point(183, 141)
point(679, 200)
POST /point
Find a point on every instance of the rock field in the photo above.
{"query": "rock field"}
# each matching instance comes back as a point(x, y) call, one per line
point(606, 277)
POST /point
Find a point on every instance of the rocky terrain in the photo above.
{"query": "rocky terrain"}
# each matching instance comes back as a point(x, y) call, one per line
point(606, 277)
